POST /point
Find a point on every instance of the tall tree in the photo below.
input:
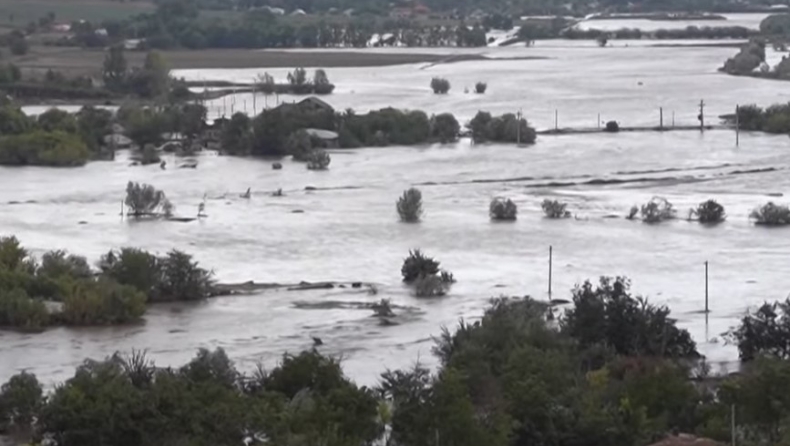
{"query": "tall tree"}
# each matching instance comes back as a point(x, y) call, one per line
point(115, 68)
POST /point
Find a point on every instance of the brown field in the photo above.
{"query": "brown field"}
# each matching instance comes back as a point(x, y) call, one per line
point(77, 61)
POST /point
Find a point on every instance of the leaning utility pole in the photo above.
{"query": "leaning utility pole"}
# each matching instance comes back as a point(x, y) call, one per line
point(701, 116)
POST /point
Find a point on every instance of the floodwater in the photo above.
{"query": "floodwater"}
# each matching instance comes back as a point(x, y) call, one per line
point(348, 230)
point(746, 20)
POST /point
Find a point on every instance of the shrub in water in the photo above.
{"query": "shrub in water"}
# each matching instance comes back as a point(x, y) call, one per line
point(480, 87)
point(771, 214)
point(709, 212)
point(656, 210)
point(318, 160)
point(502, 209)
point(612, 126)
point(418, 264)
point(144, 199)
point(410, 205)
point(632, 212)
point(430, 286)
point(555, 209)
point(440, 85)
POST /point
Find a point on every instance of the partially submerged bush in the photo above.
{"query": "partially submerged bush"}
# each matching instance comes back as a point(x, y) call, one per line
point(480, 87)
point(440, 85)
point(764, 332)
point(709, 212)
point(656, 210)
point(418, 264)
point(612, 127)
point(555, 209)
point(632, 212)
point(383, 309)
point(771, 214)
point(445, 127)
point(502, 209)
point(410, 205)
point(318, 160)
point(423, 272)
point(144, 199)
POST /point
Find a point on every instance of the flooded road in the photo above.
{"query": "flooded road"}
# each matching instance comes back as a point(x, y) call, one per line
point(349, 229)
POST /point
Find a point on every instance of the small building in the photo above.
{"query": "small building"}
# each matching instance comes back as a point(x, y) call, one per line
point(312, 103)
point(117, 141)
point(298, 12)
point(327, 138)
point(61, 27)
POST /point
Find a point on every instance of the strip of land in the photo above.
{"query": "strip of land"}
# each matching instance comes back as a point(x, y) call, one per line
point(86, 62)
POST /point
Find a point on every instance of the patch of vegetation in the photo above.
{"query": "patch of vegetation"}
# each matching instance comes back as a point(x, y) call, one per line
point(424, 274)
point(76, 295)
point(480, 87)
point(505, 128)
point(749, 58)
point(771, 214)
point(709, 212)
point(502, 209)
point(41, 148)
point(555, 209)
point(612, 127)
point(656, 210)
point(409, 205)
point(765, 331)
point(318, 160)
point(144, 200)
point(774, 119)
point(440, 85)
point(445, 128)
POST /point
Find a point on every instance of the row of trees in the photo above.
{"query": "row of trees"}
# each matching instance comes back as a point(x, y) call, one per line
point(774, 119)
point(54, 138)
point(612, 370)
point(116, 293)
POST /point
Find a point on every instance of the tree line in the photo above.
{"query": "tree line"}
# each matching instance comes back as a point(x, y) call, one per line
point(115, 293)
point(612, 369)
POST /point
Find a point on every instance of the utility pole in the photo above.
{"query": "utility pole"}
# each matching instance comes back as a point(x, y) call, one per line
point(661, 118)
point(707, 310)
point(551, 254)
point(737, 126)
point(701, 116)
point(518, 127)
point(556, 119)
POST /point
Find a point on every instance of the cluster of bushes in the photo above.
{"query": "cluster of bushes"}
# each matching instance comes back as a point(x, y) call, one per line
point(750, 57)
point(409, 205)
point(54, 138)
point(503, 209)
point(771, 214)
point(774, 119)
point(423, 273)
point(149, 81)
point(440, 85)
point(505, 128)
point(115, 294)
point(613, 370)
point(555, 209)
point(298, 83)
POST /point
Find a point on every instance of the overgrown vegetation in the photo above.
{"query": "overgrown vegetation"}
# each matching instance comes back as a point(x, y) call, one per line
point(505, 128)
point(771, 214)
point(318, 160)
point(481, 87)
point(503, 209)
point(774, 119)
point(555, 209)
point(409, 205)
point(76, 295)
point(144, 200)
point(656, 210)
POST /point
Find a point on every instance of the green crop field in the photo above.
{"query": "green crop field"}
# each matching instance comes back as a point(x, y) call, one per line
point(18, 13)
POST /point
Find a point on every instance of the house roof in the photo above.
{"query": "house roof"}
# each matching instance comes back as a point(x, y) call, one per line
point(322, 134)
point(316, 101)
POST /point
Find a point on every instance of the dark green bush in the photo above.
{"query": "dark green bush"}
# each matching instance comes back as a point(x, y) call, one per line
point(409, 205)
point(502, 209)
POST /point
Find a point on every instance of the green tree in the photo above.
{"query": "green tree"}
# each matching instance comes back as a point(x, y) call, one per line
point(237, 135)
point(115, 69)
point(54, 120)
point(445, 127)
point(20, 400)
point(183, 279)
point(143, 199)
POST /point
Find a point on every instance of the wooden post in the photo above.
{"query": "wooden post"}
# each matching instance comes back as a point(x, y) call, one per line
point(551, 254)
point(701, 116)
point(707, 309)
point(673, 118)
point(661, 118)
point(556, 119)
point(121, 208)
point(599, 121)
point(737, 126)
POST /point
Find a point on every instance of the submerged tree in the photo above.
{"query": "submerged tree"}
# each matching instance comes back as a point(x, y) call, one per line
point(708, 212)
point(764, 332)
point(144, 199)
point(771, 214)
point(424, 274)
point(480, 87)
point(440, 85)
point(318, 160)
point(555, 209)
point(410, 205)
point(657, 210)
point(502, 209)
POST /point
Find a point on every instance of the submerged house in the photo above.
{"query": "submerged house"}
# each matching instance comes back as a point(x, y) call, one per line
point(326, 139)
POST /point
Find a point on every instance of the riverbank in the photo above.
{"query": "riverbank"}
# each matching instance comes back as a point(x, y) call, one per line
point(88, 62)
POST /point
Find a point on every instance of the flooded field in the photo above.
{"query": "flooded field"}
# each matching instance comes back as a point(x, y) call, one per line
point(746, 20)
point(348, 229)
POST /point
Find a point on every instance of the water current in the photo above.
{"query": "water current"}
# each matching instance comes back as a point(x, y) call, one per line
point(348, 229)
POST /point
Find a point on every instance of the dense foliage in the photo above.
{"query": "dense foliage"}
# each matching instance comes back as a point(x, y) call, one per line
point(445, 128)
point(749, 58)
point(505, 128)
point(76, 295)
point(774, 119)
point(440, 85)
point(144, 200)
point(765, 331)
point(409, 205)
point(318, 160)
point(502, 209)
point(42, 148)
